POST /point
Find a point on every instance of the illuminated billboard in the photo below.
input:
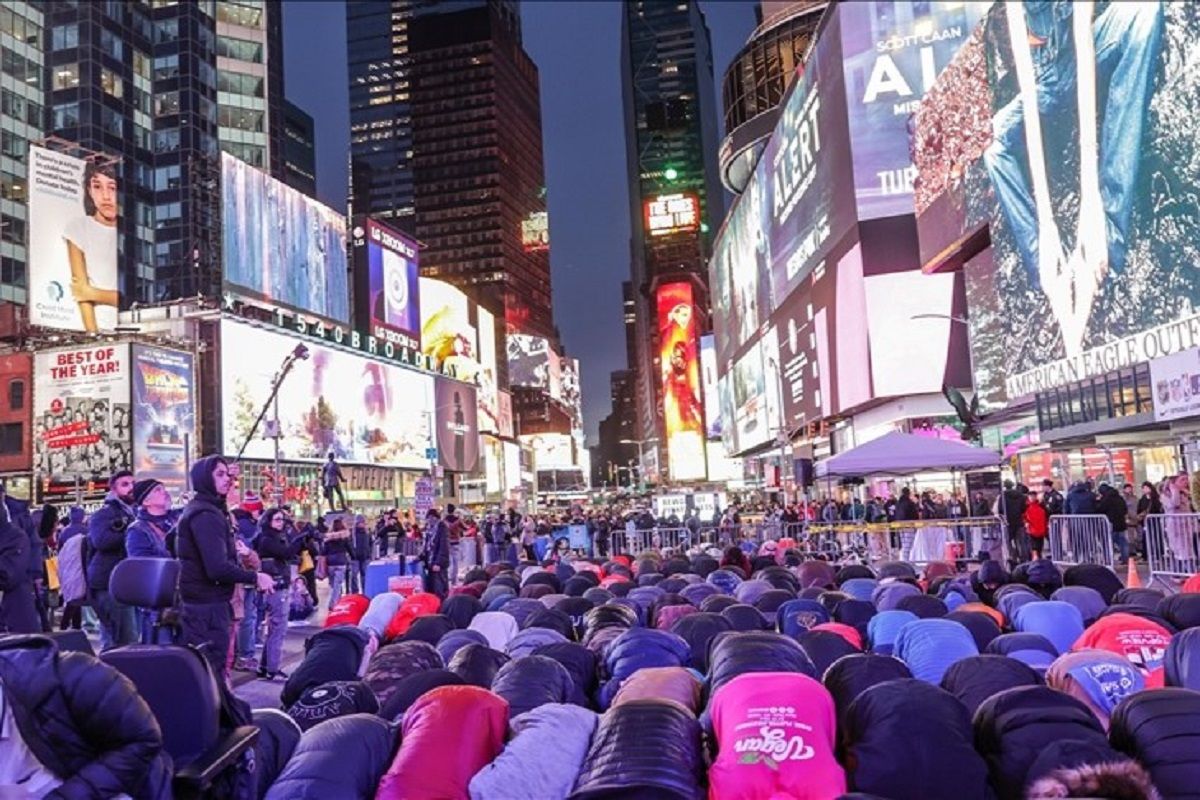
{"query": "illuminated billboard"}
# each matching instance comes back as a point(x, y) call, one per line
point(570, 393)
point(891, 54)
point(535, 232)
point(667, 214)
point(361, 410)
point(389, 297)
point(1094, 228)
point(280, 245)
point(749, 394)
point(529, 361)
point(447, 335)
point(72, 241)
point(708, 380)
point(81, 414)
point(683, 409)
point(457, 425)
point(488, 391)
point(164, 415)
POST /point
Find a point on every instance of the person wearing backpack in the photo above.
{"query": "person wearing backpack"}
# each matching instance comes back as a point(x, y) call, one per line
point(106, 541)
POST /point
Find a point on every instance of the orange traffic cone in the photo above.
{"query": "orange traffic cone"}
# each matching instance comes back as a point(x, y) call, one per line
point(1132, 579)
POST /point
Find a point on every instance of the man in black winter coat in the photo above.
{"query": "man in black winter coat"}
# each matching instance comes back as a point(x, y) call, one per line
point(209, 565)
point(106, 542)
point(83, 721)
point(18, 611)
point(435, 553)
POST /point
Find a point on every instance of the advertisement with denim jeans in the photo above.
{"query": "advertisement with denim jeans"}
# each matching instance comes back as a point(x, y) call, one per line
point(1095, 229)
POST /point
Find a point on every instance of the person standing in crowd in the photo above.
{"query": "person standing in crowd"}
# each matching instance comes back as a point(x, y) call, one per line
point(338, 552)
point(210, 568)
point(277, 550)
point(72, 579)
point(1112, 506)
point(388, 528)
point(1037, 524)
point(245, 521)
point(1148, 504)
point(331, 483)
point(106, 543)
point(360, 547)
point(528, 537)
point(980, 506)
point(1052, 499)
point(1132, 528)
point(454, 529)
point(1177, 499)
point(18, 608)
point(147, 537)
point(435, 553)
point(1013, 502)
point(307, 567)
point(1081, 499)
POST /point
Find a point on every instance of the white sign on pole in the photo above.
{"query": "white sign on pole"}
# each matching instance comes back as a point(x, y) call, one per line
point(424, 496)
point(1175, 383)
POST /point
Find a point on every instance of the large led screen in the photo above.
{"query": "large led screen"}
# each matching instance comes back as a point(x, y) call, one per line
point(750, 401)
point(447, 335)
point(892, 53)
point(81, 419)
point(457, 425)
point(389, 260)
point(361, 410)
point(488, 389)
point(164, 414)
point(1093, 165)
point(529, 361)
point(708, 381)
point(72, 241)
point(683, 407)
point(280, 245)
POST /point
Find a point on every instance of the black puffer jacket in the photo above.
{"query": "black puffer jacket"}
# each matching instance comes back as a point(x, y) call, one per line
point(698, 631)
point(84, 721)
point(1095, 576)
point(331, 655)
point(975, 679)
point(643, 749)
point(1161, 729)
point(580, 663)
point(343, 758)
point(477, 664)
point(849, 677)
point(735, 653)
point(532, 681)
point(1013, 727)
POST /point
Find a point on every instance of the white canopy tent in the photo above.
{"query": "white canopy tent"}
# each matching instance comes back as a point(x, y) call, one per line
point(899, 453)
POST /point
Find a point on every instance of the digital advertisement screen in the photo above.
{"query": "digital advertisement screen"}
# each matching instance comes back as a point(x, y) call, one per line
point(447, 334)
point(683, 408)
point(164, 415)
point(570, 393)
point(750, 400)
point(535, 232)
point(708, 380)
point(529, 361)
point(389, 261)
point(72, 241)
point(280, 245)
point(362, 410)
point(1095, 229)
point(891, 54)
point(81, 414)
point(457, 425)
point(672, 213)
point(551, 449)
point(489, 394)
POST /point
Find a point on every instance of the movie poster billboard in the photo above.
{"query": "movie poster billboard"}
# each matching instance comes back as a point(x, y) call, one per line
point(362, 410)
point(1095, 227)
point(447, 335)
point(72, 241)
point(708, 381)
point(891, 55)
point(388, 289)
point(487, 379)
point(164, 415)
point(281, 246)
point(457, 425)
point(81, 414)
point(683, 409)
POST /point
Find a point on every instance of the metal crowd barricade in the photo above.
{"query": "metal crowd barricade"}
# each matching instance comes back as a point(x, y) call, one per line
point(1172, 544)
point(1081, 539)
point(406, 546)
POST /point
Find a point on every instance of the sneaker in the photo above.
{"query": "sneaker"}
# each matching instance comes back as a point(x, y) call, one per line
point(267, 675)
point(245, 664)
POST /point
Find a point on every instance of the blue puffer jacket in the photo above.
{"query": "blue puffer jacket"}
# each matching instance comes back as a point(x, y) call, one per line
point(643, 748)
point(636, 649)
point(523, 770)
point(580, 663)
point(931, 646)
point(343, 757)
point(532, 681)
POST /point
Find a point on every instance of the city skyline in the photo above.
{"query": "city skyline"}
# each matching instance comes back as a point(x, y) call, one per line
point(588, 261)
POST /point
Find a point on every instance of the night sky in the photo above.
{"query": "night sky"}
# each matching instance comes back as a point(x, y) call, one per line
point(576, 46)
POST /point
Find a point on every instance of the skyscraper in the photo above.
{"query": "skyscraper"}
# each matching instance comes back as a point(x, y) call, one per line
point(676, 198)
point(165, 86)
point(299, 149)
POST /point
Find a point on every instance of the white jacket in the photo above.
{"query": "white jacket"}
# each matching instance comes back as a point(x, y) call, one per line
point(73, 582)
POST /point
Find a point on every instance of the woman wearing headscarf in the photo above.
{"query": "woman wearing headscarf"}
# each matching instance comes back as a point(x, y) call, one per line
point(1098, 679)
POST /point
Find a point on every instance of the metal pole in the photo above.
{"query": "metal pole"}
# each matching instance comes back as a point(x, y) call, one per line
point(275, 480)
point(187, 462)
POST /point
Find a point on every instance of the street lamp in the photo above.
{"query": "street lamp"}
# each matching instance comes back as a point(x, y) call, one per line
point(641, 463)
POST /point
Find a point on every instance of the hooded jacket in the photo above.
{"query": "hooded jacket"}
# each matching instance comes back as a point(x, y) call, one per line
point(83, 721)
point(1159, 729)
point(523, 771)
point(931, 646)
point(530, 639)
point(497, 626)
point(852, 675)
point(477, 664)
point(1059, 622)
point(1098, 679)
point(643, 749)
point(677, 684)
point(908, 740)
point(455, 640)
point(18, 613)
point(1089, 602)
point(74, 527)
point(410, 689)
point(824, 648)
point(698, 630)
point(775, 734)
point(342, 757)
point(736, 653)
point(209, 567)
point(1095, 576)
point(1029, 648)
point(330, 700)
point(106, 538)
point(335, 654)
point(1182, 662)
point(1142, 642)
point(887, 596)
point(884, 627)
point(448, 736)
point(580, 663)
point(276, 548)
point(1181, 610)
point(639, 648)
point(531, 681)
point(1013, 727)
point(983, 627)
point(973, 680)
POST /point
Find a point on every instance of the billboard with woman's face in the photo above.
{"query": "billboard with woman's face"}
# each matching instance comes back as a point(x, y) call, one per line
point(73, 210)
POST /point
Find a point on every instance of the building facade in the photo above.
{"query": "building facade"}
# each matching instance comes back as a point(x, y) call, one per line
point(671, 144)
point(299, 149)
point(22, 117)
